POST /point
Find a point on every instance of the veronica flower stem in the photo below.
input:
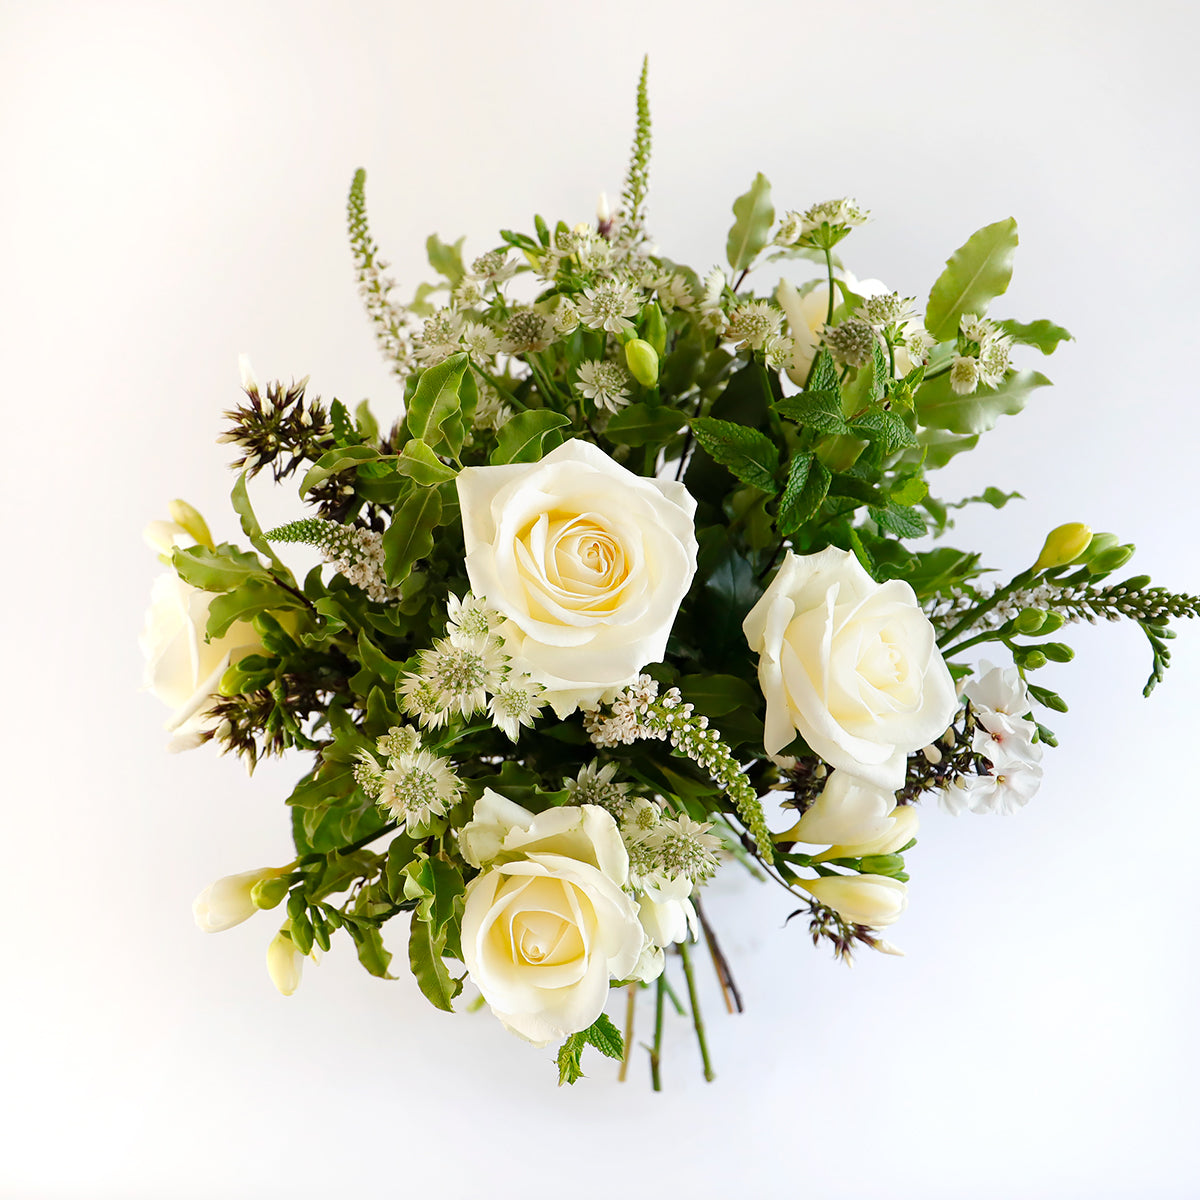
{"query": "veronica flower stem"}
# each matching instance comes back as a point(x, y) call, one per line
point(987, 605)
point(697, 1018)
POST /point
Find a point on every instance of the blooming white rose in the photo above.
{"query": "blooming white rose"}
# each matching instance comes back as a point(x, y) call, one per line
point(587, 561)
point(874, 900)
point(182, 669)
point(851, 664)
point(547, 923)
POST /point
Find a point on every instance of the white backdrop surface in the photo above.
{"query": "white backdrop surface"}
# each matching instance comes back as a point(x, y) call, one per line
point(173, 194)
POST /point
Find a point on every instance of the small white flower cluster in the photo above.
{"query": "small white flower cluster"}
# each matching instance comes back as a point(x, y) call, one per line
point(889, 308)
point(665, 850)
point(821, 226)
point(851, 343)
point(605, 383)
point(468, 671)
point(753, 324)
point(983, 356)
point(393, 323)
point(527, 332)
point(609, 304)
point(356, 554)
point(640, 712)
point(1005, 737)
point(412, 784)
point(594, 785)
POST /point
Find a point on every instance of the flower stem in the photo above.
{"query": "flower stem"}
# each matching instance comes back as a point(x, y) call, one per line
point(630, 1010)
point(829, 273)
point(697, 1018)
point(973, 615)
point(656, 1049)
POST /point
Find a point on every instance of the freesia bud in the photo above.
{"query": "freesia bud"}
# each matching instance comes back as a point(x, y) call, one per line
point(190, 520)
point(284, 962)
point(642, 360)
point(848, 810)
point(228, 901)
point(901, 829)
point(603, 211)
point(163, 536)
point(1063, 545)
point(872, 900)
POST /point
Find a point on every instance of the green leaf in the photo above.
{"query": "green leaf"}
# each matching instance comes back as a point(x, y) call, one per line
point(748, 454)
point(219, 570)
point(976, 273)
point(443, 884)
point(240, 499)
point(1043, 334)
point(420, 464)
point(806, 488)
point(1046, 697)
point(938, 407)
point(409, 538)
point(908, 490)
point(601, 1034)
point(569, 1054)
point(885, 427)
point(528, 436)
point(245, 601)
point(903, 522)
point(364, 418)
point(817, 410)
point(371, 951)
point(333, 462)
point(940, 447)
point(716, 695)
point(639, 424)
point(434, 409)
point(425, 958)
point(990, 495)
point(755, 215)
point(824, 376)
point(446, 259)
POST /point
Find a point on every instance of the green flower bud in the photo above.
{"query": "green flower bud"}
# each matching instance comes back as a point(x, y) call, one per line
point(1052, 622)
point(882, 864)
point(642, 360)
point(1063, 545)
point(655, 327)
point(1058, 652)
point(1099, 543)
point(268, 893)
point(1110, 559)
point(1030, 658)
point(1030, 620)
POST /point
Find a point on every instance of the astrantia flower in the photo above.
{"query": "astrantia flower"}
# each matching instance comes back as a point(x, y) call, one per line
point(608, 306)
point(516, 703)
point(838, 214)
point(672, 291)
point(439, 338)
point(851, 343)
point(890, 308)
point(605, 383)
point(420, 698)
point(916, 341)
point(594, 785)
point(461, 676)
point(527, 331)
point(493, 266)
point(479, 340)
point(752, 324)
point(417, 787)
point(491, 411)
point(470, 620)
point(683, 847)
point(791, 226)
point(993, 361)
point(566, 316)
point(975, 328)
point(778, 351)
point(964, 375)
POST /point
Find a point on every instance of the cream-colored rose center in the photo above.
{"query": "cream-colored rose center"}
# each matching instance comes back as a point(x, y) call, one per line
point(575, 559)
point(547, 924)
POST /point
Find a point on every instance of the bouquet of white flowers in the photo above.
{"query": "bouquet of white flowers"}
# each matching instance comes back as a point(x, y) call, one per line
point(638, 556)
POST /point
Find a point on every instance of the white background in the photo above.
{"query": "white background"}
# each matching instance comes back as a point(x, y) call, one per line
point(173, 193)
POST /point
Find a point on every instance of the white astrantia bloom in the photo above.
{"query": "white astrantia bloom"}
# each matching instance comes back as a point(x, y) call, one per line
point(844, 212)
point(462, 675)
point(479, 341)
point(885, 308)
point(418, 786)
point(439, 337)
point(516, 703)
point(752, 323)
point(850, 664)
point(609, 305)
point(964, 374)
point(566, 316)
point(183, 666)
point(848, 810)
point(491, 411)
point(470, 620)
point(994, 361)
point(527, 332)
point(494, 265)
point(874, 900)
point(594, 785)
point(547, 923)
point(587, 561)
point(605, 383)
point(227, 902)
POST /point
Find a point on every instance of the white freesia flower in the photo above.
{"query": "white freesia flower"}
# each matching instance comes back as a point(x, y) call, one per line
point(227, 902)
point(848, 810)
point(901, 829)
point(182, 669)
point(587, 561)
point(851, 664)
point(874, 900)
point(547, 924)
point(284, 963)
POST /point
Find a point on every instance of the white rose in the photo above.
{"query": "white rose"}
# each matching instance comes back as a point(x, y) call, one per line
point(547, 923)
point(182, 669)
point(851, 664)
point(874, 900)
point(587, 561)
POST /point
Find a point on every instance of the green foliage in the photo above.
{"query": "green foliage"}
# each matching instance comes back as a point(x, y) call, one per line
point(748, 454)
point(602, 1034)
point(1043, 334)
point(334, 462)
point(755, 214)
point(419, 463)
point(425, 956)
point(806, 488)
point(435, 409)
point(938, 407)
point(409, 538)
point(218, 570)
point(976, 273)
point(529, 436)
point(640, 425)
point(445, 259)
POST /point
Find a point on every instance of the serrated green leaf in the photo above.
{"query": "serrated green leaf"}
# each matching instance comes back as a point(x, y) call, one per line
point(446, 259)
point(639, 424)
point(818, 410)
point(747, 453)
point(569, 1053)
point(217, 570)
point(885, 427)
point(435, 409)
point(606, 1037)
point(976, 273)
point(333, 462)
point(751, 230)
point(939, 407)
point(421, 465)
point(409, 538)
point(903, 522)
point(806, 488)
point(824, 376)
point(1043, 334)
point(908, 491)
point(425, 958)
point(528, 436)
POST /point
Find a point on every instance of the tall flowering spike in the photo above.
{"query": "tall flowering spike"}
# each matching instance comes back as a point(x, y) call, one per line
point(391, 321)
point(637, 181)
point(354, 553)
